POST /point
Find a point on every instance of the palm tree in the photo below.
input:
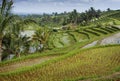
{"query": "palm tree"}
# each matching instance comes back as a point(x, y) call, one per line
point(4, 19)
point(15, 45)
point(13, 41)
point(73, 16)
point(42, 35)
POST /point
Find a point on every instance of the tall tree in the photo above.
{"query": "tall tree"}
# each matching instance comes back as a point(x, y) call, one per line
point(5, 17)
point(108, 9)
point(73, 16)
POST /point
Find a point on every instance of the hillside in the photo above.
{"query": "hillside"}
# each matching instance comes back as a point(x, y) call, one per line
point(90, 63)
point(68, 46)
point(105, 25)
point(70, 61)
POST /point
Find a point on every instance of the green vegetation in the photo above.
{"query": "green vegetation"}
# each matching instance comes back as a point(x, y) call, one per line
point(75, 65)
point(54, 51)
point(5, 19)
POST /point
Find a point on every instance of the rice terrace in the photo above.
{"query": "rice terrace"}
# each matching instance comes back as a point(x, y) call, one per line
point(59, 40)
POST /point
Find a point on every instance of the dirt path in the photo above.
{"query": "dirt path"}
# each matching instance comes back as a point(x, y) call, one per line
point(29, 62)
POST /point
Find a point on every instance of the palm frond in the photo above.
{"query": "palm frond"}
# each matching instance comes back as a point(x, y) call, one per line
point(9, 6)
point(4, 23)
point(3, 6)
point(29, 21)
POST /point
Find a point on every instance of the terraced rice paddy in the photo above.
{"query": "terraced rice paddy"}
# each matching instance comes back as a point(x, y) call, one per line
point(67, 38)
point(75, 64)
point(26, 63)
point(91, 63)
point(68, 46)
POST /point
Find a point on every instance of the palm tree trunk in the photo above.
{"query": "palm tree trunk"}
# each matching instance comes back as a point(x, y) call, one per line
point(0, 49)
point(18, 55)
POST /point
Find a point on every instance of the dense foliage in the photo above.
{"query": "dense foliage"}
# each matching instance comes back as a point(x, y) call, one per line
point(65, 18)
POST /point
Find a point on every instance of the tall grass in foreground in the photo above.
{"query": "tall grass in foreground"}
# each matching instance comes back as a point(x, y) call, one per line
point(85, 64)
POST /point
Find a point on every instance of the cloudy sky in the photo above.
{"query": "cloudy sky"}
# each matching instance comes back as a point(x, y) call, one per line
point(49, 6)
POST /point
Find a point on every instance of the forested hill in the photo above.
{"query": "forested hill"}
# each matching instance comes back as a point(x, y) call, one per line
point(73, 17)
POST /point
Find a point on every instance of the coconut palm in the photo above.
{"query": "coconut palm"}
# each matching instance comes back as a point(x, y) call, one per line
point(13, 41)
point(42, 35)
point(4, 19)
point(14, 44)
point(73, 16)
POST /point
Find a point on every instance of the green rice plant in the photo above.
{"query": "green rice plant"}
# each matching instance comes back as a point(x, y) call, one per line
point(115, 27)
point(87, 64)
point(78, 36)
point(73, 36)
point(55, 51)
point(94, 33)
point(110, 31)
point(100, 31)
point(84, 33)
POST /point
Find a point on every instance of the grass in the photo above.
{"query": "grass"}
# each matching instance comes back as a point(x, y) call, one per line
point(92, 62)
point(35, 55)
point(115, 16)
point(59, 51)
point(116, 28)
point(81, 34)
point(92, 32)
point(73, 64)
point(100, 31)
point(77, 36)
point(106, 29)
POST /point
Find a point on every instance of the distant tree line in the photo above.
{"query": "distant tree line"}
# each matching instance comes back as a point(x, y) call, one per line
point(65, 18)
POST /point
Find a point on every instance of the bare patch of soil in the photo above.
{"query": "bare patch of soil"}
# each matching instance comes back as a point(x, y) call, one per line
point(26, 63)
